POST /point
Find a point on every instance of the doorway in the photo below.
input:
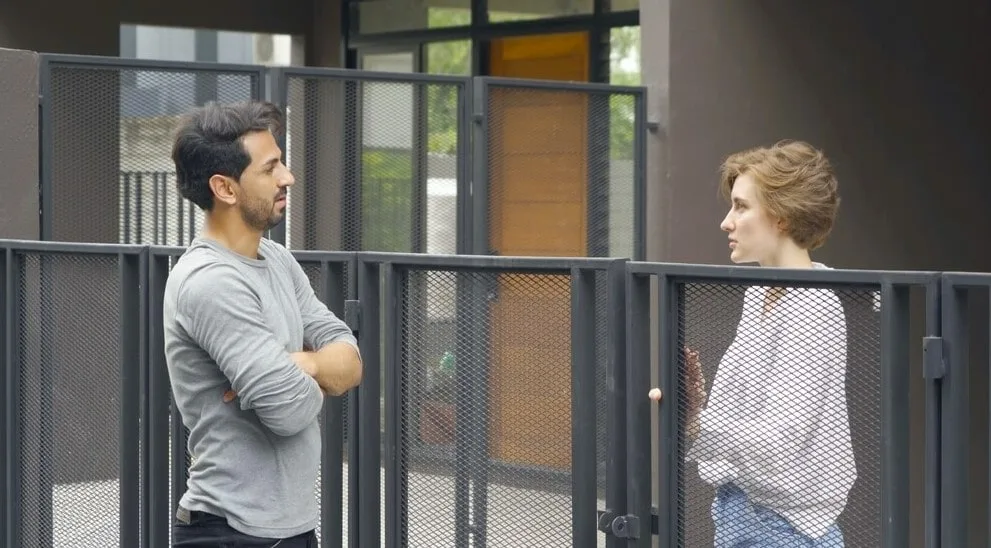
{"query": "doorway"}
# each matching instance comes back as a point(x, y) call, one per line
point(538, 203)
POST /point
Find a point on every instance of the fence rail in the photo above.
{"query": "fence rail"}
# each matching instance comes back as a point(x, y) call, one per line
point(503, 401)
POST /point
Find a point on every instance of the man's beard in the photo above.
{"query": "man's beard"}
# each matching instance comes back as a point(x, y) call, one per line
point(260, 215)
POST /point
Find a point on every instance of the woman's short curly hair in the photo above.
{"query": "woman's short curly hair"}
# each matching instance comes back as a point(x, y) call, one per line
point(795, 183)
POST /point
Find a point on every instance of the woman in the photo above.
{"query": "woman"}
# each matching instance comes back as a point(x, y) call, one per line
point(774, 438)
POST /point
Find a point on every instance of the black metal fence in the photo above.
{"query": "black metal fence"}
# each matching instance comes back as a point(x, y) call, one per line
point(504, 401)
point(409, 163)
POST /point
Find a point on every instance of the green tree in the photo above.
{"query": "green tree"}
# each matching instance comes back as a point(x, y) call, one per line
point(624, 70)
point(449, 58)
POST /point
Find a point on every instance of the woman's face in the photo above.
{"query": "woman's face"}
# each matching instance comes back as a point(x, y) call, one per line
point(754, 236)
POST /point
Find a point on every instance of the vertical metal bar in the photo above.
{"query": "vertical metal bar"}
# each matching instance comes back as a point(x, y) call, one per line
point(616, 397)
point(154, 207)
point(41, 479)
point(12, 387)
point(157, 411)
point(180, 222)
point(127, 207)
point(464, 398)
point(669, 431)
point(894, 419)
point(638, 410)
point(192, 221)
point(273, 93)
point(640, 178)
point(934, 436)
point(332, 290)
point(480, 168)
point(583, 408)
point(47, 148)
point(479, 409)
point(956, 418)
point(163, 180)
point(352, 153)
point(369, 433)
point(139, 190)
point(6, 429)
point(465, 182)
point(476, 408)
point(393, 281)
point(418, 168)
point(132, 331)
point(354, 487)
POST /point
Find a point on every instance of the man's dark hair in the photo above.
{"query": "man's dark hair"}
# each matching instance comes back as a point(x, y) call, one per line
point(209, 142)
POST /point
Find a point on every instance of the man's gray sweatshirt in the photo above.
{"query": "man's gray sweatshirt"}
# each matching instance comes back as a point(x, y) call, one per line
point(232, 322)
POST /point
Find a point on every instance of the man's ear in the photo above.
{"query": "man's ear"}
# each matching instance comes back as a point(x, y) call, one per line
point(223, 189)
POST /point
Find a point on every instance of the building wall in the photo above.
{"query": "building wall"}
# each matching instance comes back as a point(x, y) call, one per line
point(893, 96)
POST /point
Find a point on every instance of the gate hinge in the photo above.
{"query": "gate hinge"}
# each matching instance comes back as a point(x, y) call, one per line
point(627, 526)
point(933, 358)
point(352, 315)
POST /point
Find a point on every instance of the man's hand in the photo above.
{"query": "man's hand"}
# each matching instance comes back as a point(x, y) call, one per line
point(303, 360)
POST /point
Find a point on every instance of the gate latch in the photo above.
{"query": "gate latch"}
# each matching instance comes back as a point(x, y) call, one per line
point(627, 526)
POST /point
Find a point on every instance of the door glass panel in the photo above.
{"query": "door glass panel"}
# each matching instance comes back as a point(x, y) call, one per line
point(501, 11)
point(378, 16)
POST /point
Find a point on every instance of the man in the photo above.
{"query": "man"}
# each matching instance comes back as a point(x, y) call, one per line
point(238, 313)
point(774, 438)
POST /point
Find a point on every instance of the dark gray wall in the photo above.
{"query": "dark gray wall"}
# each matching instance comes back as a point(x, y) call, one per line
point(19, 144)
point(93, 28)
point(893, 94)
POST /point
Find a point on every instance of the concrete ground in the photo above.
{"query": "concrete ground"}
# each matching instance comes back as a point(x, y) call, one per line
point(85, 515)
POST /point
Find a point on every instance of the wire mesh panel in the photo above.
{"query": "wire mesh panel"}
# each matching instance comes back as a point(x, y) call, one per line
point(563, 165)
point(485, 424)
point(107, 129)
point(317, 272)
point(781, 414)
point(334, 408)
point(376, 159)
point(69, 400)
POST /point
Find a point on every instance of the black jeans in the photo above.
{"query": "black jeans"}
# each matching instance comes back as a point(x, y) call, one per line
point(209, 531)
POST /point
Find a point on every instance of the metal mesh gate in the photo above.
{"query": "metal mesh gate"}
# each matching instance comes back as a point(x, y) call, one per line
point(803, 381)
point(106, 129)
point(563, 164)
point(73, 403)
point(783, 404)
point(491, 406)
point(331, 278)
point(379, 160)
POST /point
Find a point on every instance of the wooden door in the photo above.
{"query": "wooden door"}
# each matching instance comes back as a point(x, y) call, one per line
point(538, 192)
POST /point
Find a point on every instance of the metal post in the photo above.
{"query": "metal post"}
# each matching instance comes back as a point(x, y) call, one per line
point(369, 531)
point(393, 281)
point(463, 401)
point(616, 400)
point(332, 290)
point(158, 511)
point(934, 406)
point(638, 410)
point(894, 418)
point(956, 417)
point(133, 362)
point(583, 457)
point(669, 315)
point(9, 449)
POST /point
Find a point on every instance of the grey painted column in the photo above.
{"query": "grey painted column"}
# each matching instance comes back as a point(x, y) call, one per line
point(19, 144)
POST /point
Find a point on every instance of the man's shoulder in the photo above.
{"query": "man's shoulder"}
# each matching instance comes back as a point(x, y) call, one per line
point(202, 271)
point(272, 249)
